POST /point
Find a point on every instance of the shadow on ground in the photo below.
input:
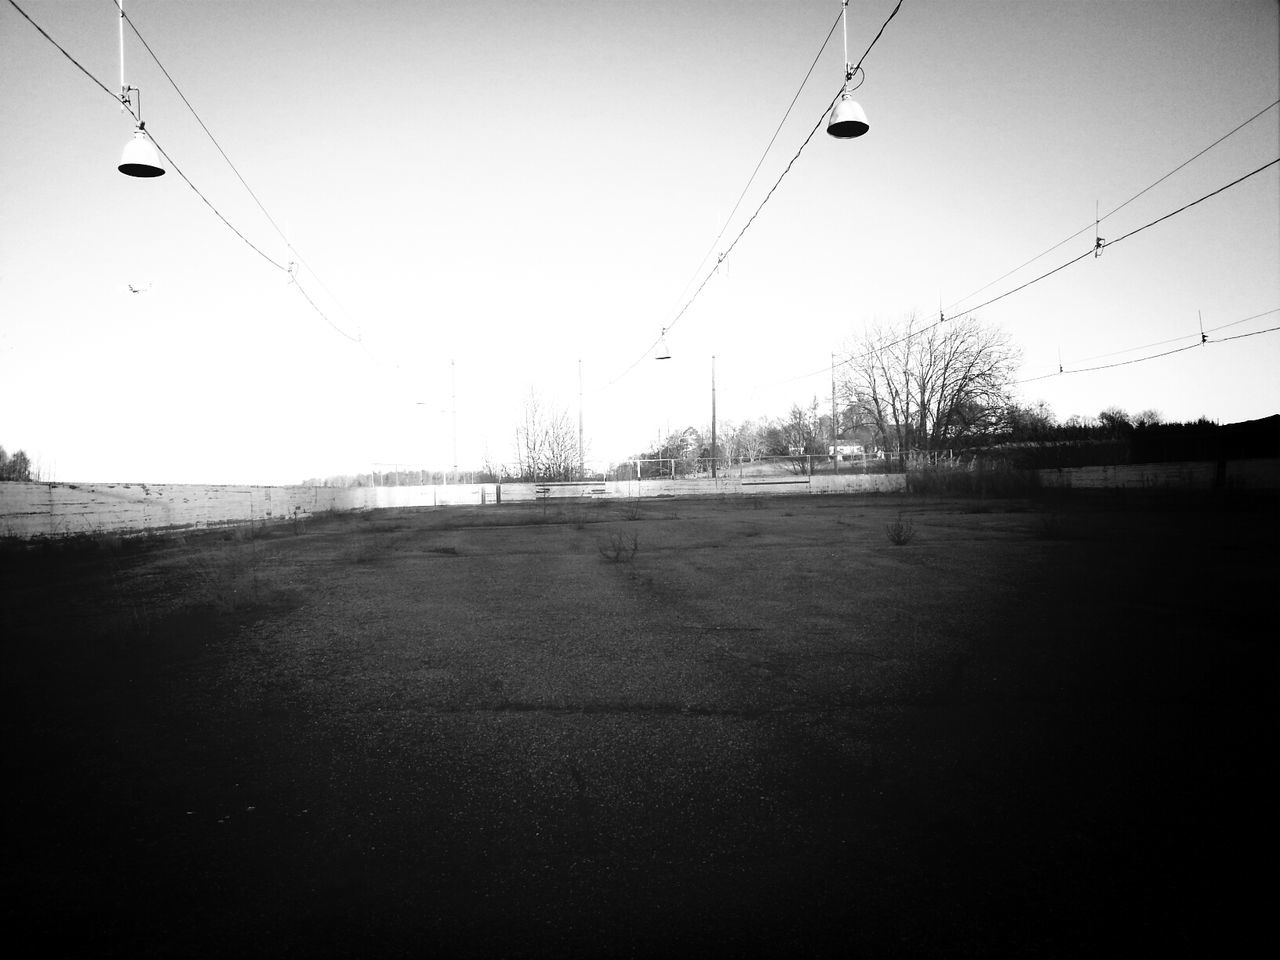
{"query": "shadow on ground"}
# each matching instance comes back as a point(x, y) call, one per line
point(1035, 729)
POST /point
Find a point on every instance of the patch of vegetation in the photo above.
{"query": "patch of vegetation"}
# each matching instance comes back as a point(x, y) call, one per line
point(901, 531)
point(1055, 526)
point(977, 480)
point(620, 547)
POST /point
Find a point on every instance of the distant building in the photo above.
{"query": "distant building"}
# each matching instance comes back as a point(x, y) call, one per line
point(847, 450)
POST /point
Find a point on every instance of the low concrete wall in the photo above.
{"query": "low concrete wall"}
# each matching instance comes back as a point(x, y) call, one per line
point(67, 509)
point(1199, 475)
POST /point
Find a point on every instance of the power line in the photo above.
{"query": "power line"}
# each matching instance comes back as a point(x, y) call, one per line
point(723, 256)
point(163, 153)
point(1154, 356)
point(239, 176)
point(209, 204)
point(178, 170)
point(1117, 209)
point(1062, 266)
point(182, 96)
point(79, 66)
point(1191, 204)
point(1161, 343)
point(1109, 243)
point(760, 162)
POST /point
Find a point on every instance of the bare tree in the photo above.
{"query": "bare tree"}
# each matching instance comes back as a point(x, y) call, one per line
point(803, 433)
point(752, 440)
point(16, 467)
point(926, 390)
point(546, 443)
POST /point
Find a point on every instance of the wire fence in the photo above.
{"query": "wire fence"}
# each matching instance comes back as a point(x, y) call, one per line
point(666, 468)
point(694, 468)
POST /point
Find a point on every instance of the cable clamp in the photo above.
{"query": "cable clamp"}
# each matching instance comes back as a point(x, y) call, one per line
point(1098, 244)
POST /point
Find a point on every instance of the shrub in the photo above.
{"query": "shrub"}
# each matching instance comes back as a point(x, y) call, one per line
point(620, 547)
point(901, 531)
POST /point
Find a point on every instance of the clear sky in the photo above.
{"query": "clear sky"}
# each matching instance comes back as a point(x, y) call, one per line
point(504, 191)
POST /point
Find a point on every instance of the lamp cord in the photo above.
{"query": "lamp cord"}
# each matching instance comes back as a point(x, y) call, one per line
point(844, 18)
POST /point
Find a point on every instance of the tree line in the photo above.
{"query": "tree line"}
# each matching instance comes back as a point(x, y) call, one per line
point(17, 466)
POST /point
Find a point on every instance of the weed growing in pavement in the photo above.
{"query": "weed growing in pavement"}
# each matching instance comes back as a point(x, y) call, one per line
point(901, 531)
point(620, 547)
point(1053, 526)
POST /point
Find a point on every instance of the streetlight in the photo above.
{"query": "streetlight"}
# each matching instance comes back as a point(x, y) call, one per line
point(140, 157)
point(847, 118)
point(662, 353)
point(713, 416)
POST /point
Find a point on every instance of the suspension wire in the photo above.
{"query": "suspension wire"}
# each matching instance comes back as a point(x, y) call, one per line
point(823, 116)
point(1117, 209)
point(1191, 204)
point(729, 249)
point(79, 66)
point(183, 97)
point(178, 170)
point(945, 319)
point(844, 19)
point(760, 162)
point(1161, 343)
point(218, 213)
point(1154, 356)
point(125, 18)
point(163, 153)
point(1109, 243)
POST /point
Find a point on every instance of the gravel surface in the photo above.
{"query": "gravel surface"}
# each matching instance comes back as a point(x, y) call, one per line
point(1036, 729)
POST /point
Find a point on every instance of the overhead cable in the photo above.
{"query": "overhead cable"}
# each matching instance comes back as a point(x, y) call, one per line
point(1062, 266)
point(1154, 356)
point(163, 153)
point(214, 140)
point(1126, 236)
point(1117, 209)
point(209, 204)
point(178, 170)
point(768, 147)
point(723, 256)
point(79, 66)
point(1161, 343)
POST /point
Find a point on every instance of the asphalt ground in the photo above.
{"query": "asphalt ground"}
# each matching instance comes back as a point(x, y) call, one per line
point(759, 729)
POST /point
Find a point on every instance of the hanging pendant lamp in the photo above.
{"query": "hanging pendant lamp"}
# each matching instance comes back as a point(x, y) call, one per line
point(662, 353)
point(848, 120)
point(140, 158)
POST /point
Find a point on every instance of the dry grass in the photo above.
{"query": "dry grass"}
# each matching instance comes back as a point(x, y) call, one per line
point(773, 735)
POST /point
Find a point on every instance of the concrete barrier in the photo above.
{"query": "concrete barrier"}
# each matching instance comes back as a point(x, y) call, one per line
point(1262, 474)
point(67, 509)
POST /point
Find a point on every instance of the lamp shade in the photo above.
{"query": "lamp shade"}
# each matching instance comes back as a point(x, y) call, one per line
point(847, 119)
point(140, 157)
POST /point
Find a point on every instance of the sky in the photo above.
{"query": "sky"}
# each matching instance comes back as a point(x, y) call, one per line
point(493, 201)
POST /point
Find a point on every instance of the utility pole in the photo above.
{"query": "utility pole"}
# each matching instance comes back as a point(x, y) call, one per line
point(835, 432)
point(453, 390)
point(713, 416)
point(582, 456)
